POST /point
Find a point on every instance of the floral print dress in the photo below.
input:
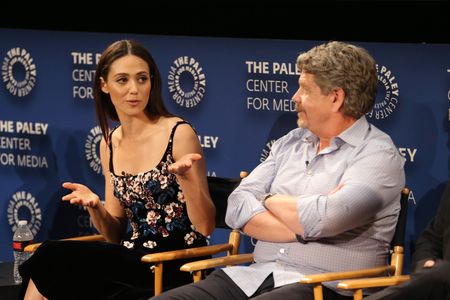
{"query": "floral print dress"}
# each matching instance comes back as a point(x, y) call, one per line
point(154, 203)
point(155, 206)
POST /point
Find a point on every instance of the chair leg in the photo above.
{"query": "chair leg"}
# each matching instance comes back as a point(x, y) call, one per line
point(158, 278)
point(197, 276)
point(318, 294)
point(357, 294)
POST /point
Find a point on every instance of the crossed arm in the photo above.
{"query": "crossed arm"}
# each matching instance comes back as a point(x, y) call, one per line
point(360, 191)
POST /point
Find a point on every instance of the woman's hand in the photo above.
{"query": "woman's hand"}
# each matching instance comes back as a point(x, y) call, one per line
point(80, 195)
point(182, 166)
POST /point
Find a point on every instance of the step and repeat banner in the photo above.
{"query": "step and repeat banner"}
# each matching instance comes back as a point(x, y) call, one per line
point(235, 92)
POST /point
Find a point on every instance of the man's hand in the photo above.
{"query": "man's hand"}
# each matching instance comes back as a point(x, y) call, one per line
point(429, 263)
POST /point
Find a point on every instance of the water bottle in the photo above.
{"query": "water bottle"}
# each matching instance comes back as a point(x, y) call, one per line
point(22, 238)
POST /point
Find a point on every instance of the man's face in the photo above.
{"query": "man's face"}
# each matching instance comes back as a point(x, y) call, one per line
point(313, 107)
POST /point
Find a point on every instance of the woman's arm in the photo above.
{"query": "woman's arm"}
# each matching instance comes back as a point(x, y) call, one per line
point(109, 219)
point(190, 169)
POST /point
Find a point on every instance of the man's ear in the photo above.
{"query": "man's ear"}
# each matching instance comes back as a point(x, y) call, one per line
point(104, 85)
point(338, 100)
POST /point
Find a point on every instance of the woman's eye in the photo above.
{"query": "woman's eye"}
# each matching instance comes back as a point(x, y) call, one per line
point(121, 80)
point(143, 79)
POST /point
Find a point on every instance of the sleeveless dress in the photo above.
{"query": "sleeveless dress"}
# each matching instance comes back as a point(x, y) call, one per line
point(155, 206)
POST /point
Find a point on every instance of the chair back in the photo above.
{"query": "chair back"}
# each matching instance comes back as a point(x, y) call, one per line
point(400, 228)
point(219, 189)
point(398, 241)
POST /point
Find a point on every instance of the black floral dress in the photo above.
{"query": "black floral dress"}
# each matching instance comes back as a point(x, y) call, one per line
point(154, 203)
point(155, 206)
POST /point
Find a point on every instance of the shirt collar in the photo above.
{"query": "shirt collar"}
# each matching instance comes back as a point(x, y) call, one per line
point(355, 134)
point(310, 137)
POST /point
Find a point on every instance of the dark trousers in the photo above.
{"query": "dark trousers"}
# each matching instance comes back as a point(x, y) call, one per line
point(428, 283)
point(86, 270)
point(219, 286)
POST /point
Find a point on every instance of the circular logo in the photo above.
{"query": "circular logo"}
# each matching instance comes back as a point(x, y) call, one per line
point(23, 206)
point(266, 150)
point(387, 96)
point(18, 72)
point(92, 149)
point(186, 81)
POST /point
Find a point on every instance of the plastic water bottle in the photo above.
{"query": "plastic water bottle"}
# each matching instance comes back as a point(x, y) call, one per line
point(22, 238)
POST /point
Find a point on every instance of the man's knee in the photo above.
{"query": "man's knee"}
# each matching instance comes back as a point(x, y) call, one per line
point(217, 285)
point(440, 272)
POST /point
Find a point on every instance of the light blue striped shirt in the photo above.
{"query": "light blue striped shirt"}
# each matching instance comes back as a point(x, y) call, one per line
point(347, 230)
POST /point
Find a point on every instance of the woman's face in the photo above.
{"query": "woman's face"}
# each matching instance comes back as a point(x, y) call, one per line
point(129, 85)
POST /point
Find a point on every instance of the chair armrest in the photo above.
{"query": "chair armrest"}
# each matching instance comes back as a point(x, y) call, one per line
point(217, 262)
point(317, 278)
point(372, 282)
point(32, 247)
point(87, 238)
point(185, 253)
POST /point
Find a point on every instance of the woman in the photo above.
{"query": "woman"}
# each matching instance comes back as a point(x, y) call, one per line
point(155, 180)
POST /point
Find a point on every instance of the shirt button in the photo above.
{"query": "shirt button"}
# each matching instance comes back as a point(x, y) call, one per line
point(282, 250)
point(309, 172)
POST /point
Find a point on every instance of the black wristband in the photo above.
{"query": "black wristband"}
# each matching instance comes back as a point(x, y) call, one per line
point(266, 196)
point(300, 239)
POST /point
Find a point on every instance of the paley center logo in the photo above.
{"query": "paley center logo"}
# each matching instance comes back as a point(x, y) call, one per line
point(387, 95)
point(19, 72)
point(266, 151)
point(23, 206)
point(186, 81)
point(91, 149)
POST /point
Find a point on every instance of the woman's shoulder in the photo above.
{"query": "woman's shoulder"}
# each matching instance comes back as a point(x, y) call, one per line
point(115, 136)
point(181, 130)
point(173, 121)
point(179, 125)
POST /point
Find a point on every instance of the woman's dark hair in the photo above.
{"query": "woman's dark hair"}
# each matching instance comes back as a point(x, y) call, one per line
point(105, 110)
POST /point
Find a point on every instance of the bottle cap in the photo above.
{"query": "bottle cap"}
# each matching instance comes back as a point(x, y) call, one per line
point(23, 222)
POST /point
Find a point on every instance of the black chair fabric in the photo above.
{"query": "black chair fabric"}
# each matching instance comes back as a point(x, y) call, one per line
point(400, 228)
point(219, 189)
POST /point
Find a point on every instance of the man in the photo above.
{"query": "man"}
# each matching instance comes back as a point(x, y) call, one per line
point(430, 263)
point(326, 198)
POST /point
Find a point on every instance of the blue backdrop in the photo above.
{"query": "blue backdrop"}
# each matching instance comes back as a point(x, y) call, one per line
point(236, 93)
